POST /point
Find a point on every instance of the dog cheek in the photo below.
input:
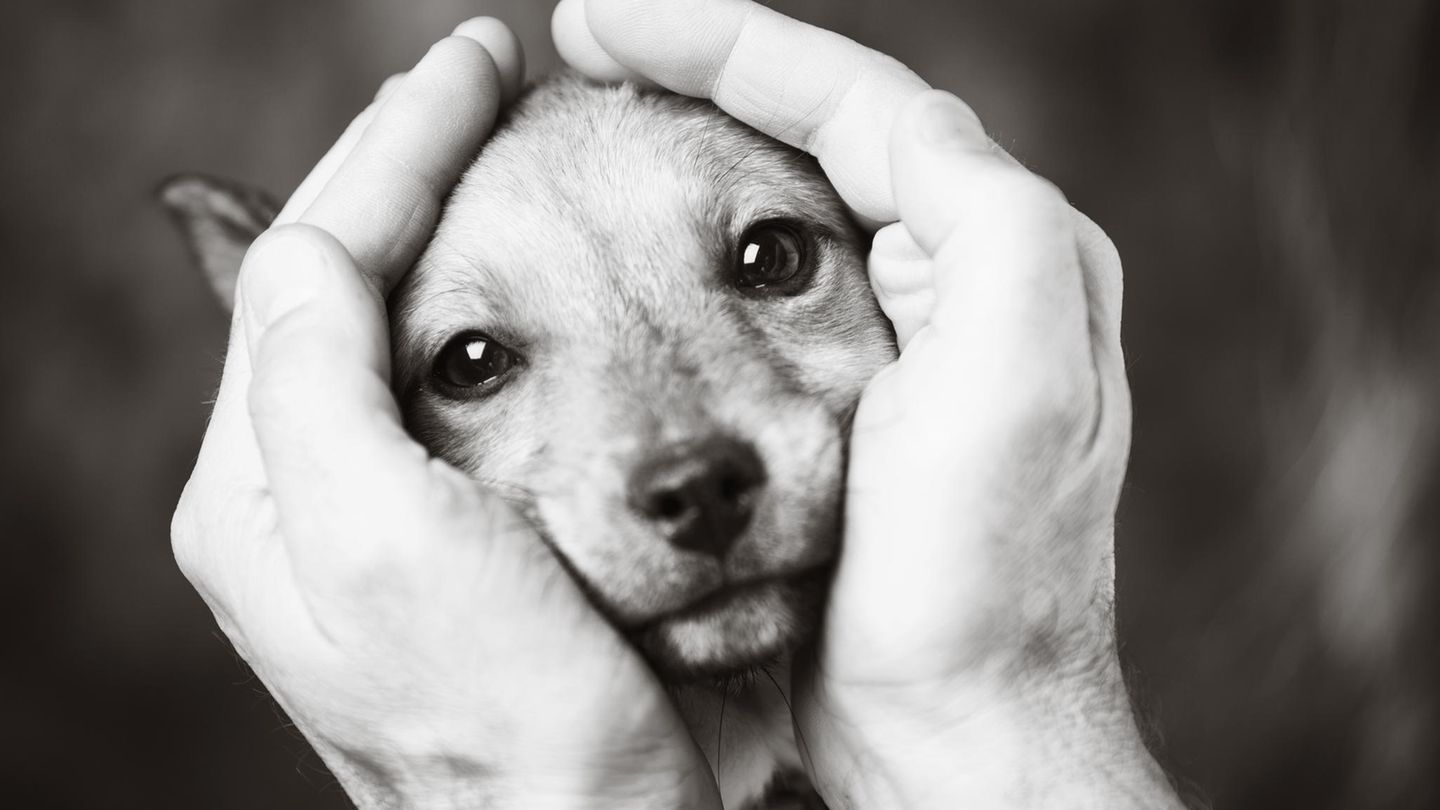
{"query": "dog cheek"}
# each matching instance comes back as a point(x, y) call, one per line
point(629, 572)
point(803, 451)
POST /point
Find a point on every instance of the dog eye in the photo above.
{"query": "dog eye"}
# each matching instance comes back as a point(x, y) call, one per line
point(771, 255)
point(471, 361)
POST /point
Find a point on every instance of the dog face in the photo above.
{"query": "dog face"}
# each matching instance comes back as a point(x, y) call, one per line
point(648, 326)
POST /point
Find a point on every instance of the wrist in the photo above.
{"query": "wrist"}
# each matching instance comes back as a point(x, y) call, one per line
point(1022, 742)
point(559, 781)
point(660, 784)
point(395, 782)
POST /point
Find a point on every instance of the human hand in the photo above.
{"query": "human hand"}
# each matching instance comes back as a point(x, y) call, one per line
point(428, 645)
point(968, 654)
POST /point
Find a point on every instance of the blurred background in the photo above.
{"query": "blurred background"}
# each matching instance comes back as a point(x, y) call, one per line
point(1268, 170)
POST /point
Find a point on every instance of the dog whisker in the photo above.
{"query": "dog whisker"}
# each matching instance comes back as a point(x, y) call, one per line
point(666, 322)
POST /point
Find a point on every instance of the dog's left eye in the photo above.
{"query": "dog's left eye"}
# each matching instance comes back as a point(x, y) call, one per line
point(771, 258)
point(472, 361)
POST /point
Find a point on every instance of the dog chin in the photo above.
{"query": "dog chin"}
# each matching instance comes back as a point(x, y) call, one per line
point(736, 630)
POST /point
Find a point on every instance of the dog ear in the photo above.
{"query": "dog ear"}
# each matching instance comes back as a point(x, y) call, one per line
point(219, 220)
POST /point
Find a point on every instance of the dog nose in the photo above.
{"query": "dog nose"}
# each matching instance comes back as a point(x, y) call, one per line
point(700, 494)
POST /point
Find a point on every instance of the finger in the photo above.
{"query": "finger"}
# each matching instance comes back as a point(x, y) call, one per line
point(227, 493)
point(900, 275)
point(1104, 284)
point(327, 426)
point(577, 46)
point(504, 48)
point(229, 460)
point(229, 441)
point(225, 501)
point(414, 150)
point(1104, 288)
point(803, 85)
point(309, 188)
point(1010, 299)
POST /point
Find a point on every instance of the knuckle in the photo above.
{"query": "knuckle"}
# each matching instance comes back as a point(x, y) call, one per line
point(196, 516)
point(199, 516)
point(1095, 241)
point(184, 535)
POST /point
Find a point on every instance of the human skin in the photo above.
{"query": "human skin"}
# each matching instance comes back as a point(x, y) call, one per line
point(371, 588)
point(423, 639)
point(968, 656)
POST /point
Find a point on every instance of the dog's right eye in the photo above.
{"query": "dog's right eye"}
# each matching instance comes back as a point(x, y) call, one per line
point(771, 259)
point(472, 363)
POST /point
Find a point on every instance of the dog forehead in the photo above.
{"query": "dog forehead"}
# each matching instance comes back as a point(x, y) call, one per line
point(580, 175)
point(576, 165)
point(593, 206)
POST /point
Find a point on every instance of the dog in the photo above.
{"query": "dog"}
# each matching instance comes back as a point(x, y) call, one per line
point(647, 326)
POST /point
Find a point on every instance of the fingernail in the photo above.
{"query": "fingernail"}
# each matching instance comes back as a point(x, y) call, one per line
point(949, 122)
point(284, 270)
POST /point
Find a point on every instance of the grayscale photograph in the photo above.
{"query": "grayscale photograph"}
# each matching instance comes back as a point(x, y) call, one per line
point(720, 405)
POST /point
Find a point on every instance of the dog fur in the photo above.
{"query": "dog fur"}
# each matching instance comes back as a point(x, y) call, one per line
point(595, 239)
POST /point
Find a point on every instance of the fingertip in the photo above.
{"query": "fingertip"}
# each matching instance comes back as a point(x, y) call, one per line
point(414, 148)
point(285, 268)
point(474, 62)
point(939, 120)
point(307, 307)
point(456, 74)
point(387, 87)
point(941, 163)
point(578, 47)
point(901, 277)
point(504, 48)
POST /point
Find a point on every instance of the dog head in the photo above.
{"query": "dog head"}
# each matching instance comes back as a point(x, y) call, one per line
point(646, 325)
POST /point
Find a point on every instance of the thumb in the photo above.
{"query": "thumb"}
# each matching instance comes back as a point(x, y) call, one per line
point(1010, 315)
point(336, 457)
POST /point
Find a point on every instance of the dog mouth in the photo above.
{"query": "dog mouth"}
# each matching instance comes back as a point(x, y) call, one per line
point(735, 628)
point(726, 633)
